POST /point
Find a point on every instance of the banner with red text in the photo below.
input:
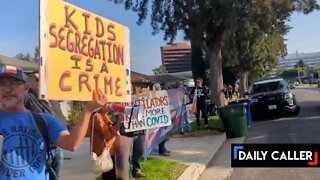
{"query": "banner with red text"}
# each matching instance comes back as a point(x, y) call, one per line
point(81, 51)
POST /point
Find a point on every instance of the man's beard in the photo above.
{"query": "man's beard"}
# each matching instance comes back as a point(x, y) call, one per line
point(10, 104)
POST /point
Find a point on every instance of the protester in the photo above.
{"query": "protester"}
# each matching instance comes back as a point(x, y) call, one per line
point(225, 91)
point(104, 136)
point(185, 126)
point(230, 91)
point(23, 139)
point(136, 156)
point(201, 104)
point(34, 104)
point(236, 90)
point(162, 146)
point(32, 101)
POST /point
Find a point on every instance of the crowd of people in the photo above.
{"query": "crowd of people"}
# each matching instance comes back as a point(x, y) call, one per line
point(45, 130)
point(42, 121)
point(231, 91)
point(25, 150)
point(27, 119)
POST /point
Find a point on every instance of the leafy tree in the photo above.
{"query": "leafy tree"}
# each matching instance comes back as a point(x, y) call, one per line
point(266, 54)
point(316, 72)
point(36, 54)
point(206, 23)
point(258, 41)
point(289, 74)
point(210, 23)
point(159, 70)
point(25, 57)
point(313, 73)
point(302, 68)
point(199, 62)
point(253, 56)
point(302, 71)
point(77, 108)
point(301, 63)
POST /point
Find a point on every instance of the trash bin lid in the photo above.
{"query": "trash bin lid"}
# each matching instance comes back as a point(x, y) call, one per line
point(239, 101)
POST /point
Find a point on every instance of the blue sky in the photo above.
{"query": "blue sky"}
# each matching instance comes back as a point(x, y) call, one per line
point(19, 31)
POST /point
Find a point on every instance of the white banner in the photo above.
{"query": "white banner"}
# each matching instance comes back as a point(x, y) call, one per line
point(154, 112)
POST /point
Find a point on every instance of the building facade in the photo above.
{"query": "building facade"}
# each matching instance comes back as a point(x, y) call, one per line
point(310, 59)
point(27, 66)
point(176, 57)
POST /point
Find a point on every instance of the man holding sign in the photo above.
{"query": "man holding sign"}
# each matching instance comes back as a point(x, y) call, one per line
point(24, 151)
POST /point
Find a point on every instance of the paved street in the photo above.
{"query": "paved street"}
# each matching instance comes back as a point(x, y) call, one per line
point(302, 129)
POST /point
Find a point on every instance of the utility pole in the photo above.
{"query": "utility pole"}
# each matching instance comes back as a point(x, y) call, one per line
point(298, 67)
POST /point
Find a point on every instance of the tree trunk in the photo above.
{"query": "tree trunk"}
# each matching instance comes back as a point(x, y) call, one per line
point(216, 79)
point(197, 61)
point(243, 85)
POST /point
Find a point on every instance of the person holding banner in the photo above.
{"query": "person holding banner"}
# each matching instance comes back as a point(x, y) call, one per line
point(162, 146)
point(137, 154)
point(24, 150)
point(201, 105)
point(185, 125)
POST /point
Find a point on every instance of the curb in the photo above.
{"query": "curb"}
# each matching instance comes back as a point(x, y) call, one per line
point(220, 166)
point(195, 170)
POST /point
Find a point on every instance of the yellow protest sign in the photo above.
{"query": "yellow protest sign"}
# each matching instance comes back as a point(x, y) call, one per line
point(81, 51)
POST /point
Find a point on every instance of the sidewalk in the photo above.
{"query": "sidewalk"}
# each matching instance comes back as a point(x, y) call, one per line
point(77, 164)
point(220, 166)
point(196, 152)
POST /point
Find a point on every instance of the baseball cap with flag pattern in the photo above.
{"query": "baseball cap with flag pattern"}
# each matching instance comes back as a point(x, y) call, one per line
point(11, 71)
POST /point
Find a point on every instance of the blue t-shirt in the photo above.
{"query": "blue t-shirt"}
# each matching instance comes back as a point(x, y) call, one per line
point(24, 151)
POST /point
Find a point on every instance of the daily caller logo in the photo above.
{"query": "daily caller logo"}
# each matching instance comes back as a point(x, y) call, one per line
point(275, 155)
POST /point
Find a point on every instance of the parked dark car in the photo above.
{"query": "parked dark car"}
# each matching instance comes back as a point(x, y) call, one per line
point(272, 96)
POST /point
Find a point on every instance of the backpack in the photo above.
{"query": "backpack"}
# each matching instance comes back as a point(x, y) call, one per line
point(43, 128)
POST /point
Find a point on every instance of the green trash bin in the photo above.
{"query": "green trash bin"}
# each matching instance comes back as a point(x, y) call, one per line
point(234, 118)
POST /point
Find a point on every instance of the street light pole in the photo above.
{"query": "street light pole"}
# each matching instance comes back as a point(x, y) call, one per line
point(298, 66)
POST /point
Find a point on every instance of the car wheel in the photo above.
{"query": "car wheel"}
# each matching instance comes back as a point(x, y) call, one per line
point(296, 111)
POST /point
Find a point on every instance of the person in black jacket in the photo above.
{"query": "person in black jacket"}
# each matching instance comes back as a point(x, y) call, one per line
point(201, 98)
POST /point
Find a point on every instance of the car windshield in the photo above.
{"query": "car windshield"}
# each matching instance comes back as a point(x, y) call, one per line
point(266, 87)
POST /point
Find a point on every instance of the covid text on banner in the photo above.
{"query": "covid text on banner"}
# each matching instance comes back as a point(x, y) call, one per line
point(154, 112)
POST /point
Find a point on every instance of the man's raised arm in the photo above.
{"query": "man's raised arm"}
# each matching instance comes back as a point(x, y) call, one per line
point(71, 141)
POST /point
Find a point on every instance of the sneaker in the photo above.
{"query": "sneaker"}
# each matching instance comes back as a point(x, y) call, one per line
point(139, 175)
point(182, 133)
